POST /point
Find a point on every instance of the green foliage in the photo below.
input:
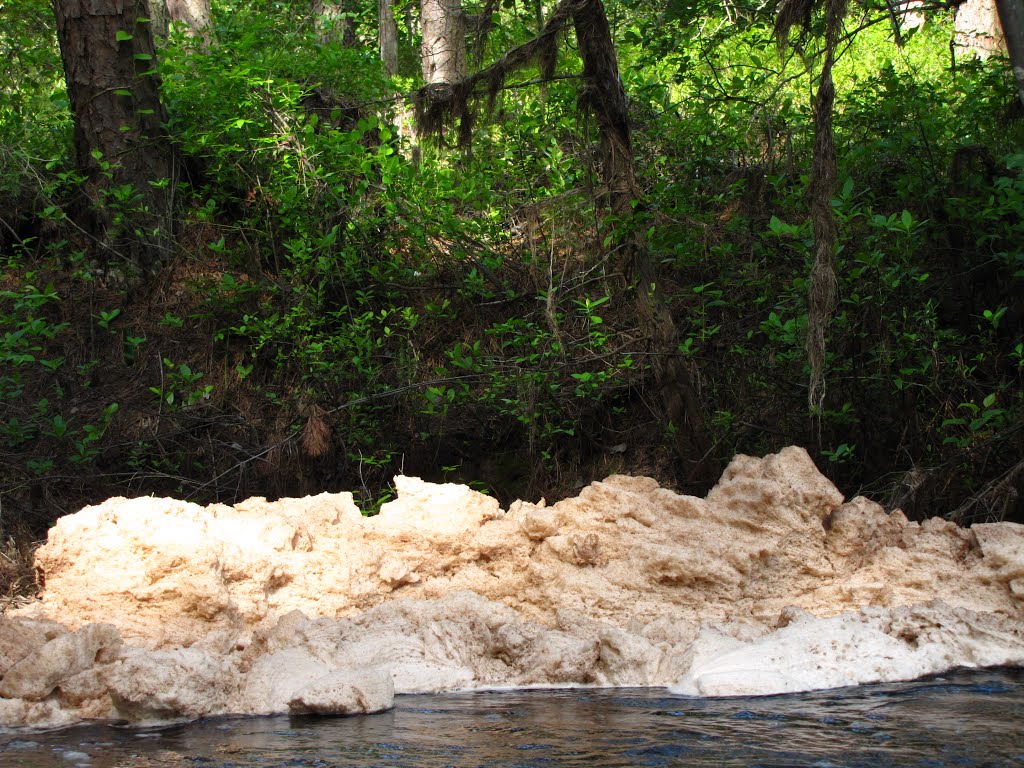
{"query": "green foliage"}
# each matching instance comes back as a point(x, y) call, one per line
point(269, 111)
point(180, 386)
point(26, 331)
point(929, 214)
point(37, 421)
point(341, 302)
point(34, 119)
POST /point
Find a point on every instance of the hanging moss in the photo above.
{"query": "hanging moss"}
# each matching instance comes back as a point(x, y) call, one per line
point(440, 106)
point(823, 292)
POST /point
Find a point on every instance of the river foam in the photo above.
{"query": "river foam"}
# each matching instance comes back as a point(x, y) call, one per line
point(156, 609)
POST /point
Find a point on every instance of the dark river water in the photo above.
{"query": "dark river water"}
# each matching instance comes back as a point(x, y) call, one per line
point(961, 719)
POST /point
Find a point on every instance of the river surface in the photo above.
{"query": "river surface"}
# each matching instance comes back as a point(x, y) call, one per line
point(966, 718)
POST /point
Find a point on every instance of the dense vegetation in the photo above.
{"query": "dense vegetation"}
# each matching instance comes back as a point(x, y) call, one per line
point(342, 301)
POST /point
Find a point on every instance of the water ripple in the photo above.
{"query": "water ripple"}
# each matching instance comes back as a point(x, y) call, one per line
point(962, 719)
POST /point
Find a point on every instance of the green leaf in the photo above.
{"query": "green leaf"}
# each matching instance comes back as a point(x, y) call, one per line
point(989, 401)
point(779, 227)
point(123, 36)
point(123, 92)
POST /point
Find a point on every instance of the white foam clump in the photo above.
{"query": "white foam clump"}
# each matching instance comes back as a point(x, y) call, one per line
point(867, 646)
point(157, 610)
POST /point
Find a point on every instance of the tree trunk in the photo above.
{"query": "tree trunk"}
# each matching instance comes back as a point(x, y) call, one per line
point(605, 98)
point(159, 20)
point(1011, 16)
point(976, 28)
point(332, 25)
point(444, 41)
point(388, 36)
point(191, 16)
point(120, 145)
point(410, 20)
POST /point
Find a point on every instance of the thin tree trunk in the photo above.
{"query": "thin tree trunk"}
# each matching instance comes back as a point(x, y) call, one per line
point(409, 18)
point(444, 41)
point(387, 36)
point(605, 98)
point(108, 56)
point(1011, 16)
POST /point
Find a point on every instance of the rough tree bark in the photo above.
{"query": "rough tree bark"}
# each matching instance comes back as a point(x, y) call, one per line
point(605, 99)
point(1011, 16)
point(387, 35)
point(108, 55)
point(444, 41)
